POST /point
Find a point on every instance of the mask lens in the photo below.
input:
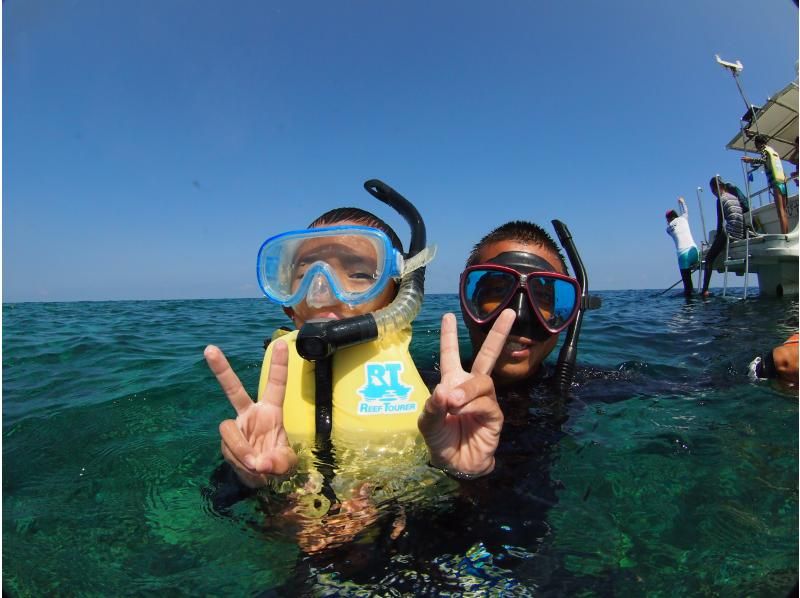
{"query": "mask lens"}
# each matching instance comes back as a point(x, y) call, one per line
point(554, 299)
point(486, 291)
point(356, 261)
point(352, 262)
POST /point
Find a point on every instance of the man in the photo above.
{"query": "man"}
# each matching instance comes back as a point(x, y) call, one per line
point(730, 225)
point(516, 298)
point(515, 273)
point(771, 162)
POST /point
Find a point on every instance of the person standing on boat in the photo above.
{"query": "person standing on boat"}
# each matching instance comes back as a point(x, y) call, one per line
point(734, 190)
point(771, 162)
point(688, 256)
point(730, 226)
point(744, 201)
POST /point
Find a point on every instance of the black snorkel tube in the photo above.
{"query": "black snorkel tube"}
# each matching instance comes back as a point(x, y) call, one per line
point(565, 367)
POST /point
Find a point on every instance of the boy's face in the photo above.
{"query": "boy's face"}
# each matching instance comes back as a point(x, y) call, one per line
point(350, 271)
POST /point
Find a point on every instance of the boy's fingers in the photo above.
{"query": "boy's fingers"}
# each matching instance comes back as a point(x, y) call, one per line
point(275, 391)
point(239, 452)
point(227, 378)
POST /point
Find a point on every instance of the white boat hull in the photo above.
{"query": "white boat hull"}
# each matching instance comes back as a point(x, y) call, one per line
point(772, 257)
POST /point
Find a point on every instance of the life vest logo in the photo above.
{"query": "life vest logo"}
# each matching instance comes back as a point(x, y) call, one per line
point(384, 392)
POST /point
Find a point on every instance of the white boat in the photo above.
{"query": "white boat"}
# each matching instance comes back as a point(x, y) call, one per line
point(771, 256)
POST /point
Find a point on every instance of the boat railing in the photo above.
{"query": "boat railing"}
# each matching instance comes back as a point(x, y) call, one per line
point(760, 196)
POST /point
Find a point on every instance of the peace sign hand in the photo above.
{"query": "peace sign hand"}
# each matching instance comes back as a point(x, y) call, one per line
point(255, 443)
point(461, 421)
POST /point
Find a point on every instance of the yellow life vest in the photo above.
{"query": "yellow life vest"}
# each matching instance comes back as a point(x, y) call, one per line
point(773, 165)
point(377, 390)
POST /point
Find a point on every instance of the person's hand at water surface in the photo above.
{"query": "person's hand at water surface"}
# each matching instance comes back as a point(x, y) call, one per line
point(255, 443)
point(785, 357)
point(461, 421)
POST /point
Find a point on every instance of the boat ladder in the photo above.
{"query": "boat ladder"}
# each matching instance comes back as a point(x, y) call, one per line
point(734, 263)
point(747, 218)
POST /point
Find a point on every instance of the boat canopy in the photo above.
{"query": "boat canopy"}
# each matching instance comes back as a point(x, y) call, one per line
point(777, 119)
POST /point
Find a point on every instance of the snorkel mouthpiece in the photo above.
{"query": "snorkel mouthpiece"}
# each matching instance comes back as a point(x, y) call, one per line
point(319, 339)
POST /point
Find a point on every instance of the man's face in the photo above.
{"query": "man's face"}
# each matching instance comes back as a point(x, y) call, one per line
point(521, 356)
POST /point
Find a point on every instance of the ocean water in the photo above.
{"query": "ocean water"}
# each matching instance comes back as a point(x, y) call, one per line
point(668, 473)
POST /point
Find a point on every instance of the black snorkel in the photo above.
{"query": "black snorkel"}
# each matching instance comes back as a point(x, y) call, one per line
point(565, 367)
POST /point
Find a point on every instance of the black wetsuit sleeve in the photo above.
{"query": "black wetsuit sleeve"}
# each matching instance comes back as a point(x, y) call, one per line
point(224, 489)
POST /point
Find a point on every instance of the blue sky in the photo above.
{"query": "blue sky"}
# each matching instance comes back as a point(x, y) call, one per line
point(149, 148)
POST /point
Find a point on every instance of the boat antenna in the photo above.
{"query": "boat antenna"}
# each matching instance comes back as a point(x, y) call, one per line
point(735, 68)
point(702, 217)
point(704, 242)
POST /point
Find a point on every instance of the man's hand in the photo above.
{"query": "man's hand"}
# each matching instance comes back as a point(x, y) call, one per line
point(461, 421)
point(255, 443)
point(786, 361)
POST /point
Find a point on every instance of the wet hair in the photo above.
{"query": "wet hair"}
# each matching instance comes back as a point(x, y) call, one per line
point(358, 216)
point(521, 232)
point(671, 215)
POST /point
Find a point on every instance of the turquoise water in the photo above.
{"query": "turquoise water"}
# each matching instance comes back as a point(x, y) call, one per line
point(669, 474)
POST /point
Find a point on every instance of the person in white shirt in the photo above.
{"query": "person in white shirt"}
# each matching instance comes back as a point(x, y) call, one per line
point(688, 256)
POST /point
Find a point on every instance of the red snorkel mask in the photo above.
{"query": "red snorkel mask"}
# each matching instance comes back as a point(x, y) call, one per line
point(545, 301)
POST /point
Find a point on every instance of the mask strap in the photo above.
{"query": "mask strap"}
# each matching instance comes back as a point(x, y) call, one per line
point(420, 260)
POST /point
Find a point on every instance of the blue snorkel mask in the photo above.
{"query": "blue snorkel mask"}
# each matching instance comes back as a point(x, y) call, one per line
point(350, 264)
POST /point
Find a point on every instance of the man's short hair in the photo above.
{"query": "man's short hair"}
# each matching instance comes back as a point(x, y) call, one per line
point(760, 139)
point(520, 231)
